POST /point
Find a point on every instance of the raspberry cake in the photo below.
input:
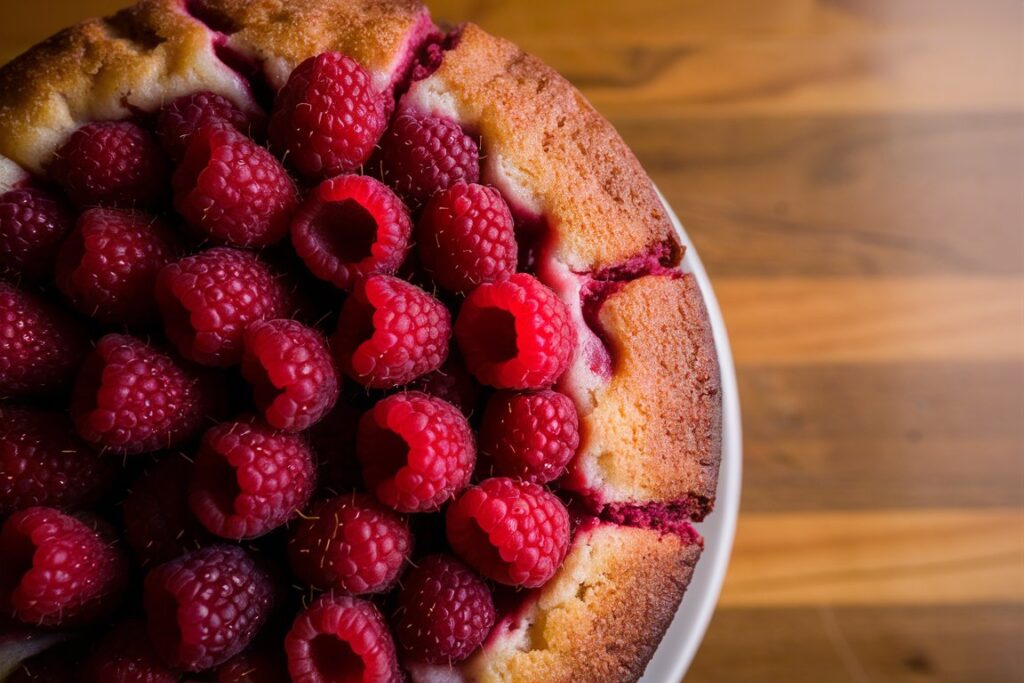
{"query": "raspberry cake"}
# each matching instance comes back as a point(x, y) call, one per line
point(377, 358)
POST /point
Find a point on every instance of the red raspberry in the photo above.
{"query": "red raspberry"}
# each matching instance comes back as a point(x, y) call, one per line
point(339, 638)
point(249, 479)
point(233, 191)
point(33, 223)
point(291, 372)
point(445, 611)
point(131, 398)
point(157, 522)
point(206, 607)
point(107, 267)
point(531, 435)
point(179, 120)
point(40, 345)
point(515, 334)
point(125, 655)
point(351, 227)
point(328, 117)
point(112, 163)
point(466, 237)
point(416, 450)
point(255, 666)
point(57, 570)
point(42, 462)
point(420, 156)
point(334, 442)
point(208, 300)
point(511, 531)
point(391, 332)
point(452, 383)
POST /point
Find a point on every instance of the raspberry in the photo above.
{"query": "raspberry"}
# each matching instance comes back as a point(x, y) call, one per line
point(40, 345)
point(208, 300)
point(351, 544)
point(452, 383)
point(157, 522)
point(249, 479)
point(391, 332)
point(445, 611)
point(107, 267)
point(254, 666)
point(416, 450)
point(334, 442)
point(33, 223)
point(291, 372)
point(420, 156)
point(339, 638)
point(178, 121)
point(351, 227)
point(42, 462)
point(206, 607)
point(231, 190)
point(112, 163)
point(131, 398)
point(125, 655)
point(57, 570)
point(515, 334)
point(327, 118)
point(466, 237)
point(530, 435)
point(511, 531)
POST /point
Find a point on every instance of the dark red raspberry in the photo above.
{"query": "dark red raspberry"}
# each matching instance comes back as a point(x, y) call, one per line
point(255, 665)
point(179, 120)
point(291, 372)
point(420, 156)
point(42, 462)
point(515, 334)
point(391, 332)
point(40, 345)
point(112, 163)
point(417, 451)
point(57, 570)
point(107, 267)
point(466, 236)
point(328, 117)
point(334, 442)
point(206, 607)
point(125, 655)
point(453, 383)
point(511, 531)
point(530, 435)
point(249, 479)
point(339, 638)
point(445, 611)
point(350, 544)
point(351, 227)
point(132, 398)
point(33, 222)
point(157, 522)
point(232, 191)
point(208, 300)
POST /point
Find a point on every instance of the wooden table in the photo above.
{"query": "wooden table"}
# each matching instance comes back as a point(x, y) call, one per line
point(852, 172)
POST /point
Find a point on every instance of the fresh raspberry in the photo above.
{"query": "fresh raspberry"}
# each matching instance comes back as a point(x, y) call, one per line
point(204, 608)
point(340, 638)
point(40, 345)
point(112, 163)
point(531, 435)
point(351, 227)
point(453, 383)
point(255, 665)
point(107, 267)
point(334, 442)
point(157, 522)
point(125, 655)
point(57, 570)
point(445, 611)
point(417, 451)
point(328, 117)
point(249, 479)
point(291, 372)
point(466, 236)
point(352, 544)
point(515, 334)
point(42, 462)
point(420, 156)
point(33, 223)
point(511, 531)
point(208, 300)
point(231, 190)
point(391, 332)
point(178, 121)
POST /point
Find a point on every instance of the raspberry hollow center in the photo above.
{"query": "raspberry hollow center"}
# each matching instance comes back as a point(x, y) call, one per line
point(345, 229)
point(335, 661)
point(500, 343)
point(222, 486)
point(16, 564)
point(392, 455)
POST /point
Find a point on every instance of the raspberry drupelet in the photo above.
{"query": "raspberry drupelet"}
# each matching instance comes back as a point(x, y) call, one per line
point(33, 223)
point(180, 119)
point(125, 655)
